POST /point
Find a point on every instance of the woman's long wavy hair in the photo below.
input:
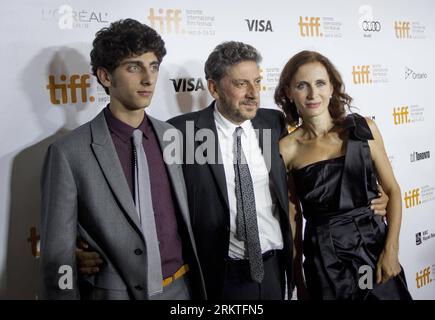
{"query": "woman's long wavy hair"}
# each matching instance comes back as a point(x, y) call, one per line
point(339, 100)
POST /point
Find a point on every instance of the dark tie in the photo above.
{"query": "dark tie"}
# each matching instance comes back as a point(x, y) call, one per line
point(144, 207)
point(246, 221)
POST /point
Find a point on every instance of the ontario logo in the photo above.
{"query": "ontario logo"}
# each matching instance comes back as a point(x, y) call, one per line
point(66, 89)
point(193, 22)
point(412, 75)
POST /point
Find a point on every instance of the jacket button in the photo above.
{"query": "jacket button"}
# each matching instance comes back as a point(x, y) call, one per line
point(138, 287)
point(138, 252)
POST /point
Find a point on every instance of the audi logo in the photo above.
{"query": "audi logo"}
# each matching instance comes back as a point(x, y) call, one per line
point(374, 26)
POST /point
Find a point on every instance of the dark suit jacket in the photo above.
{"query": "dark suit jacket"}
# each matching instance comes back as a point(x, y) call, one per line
point(85, 192)
point(207, 192)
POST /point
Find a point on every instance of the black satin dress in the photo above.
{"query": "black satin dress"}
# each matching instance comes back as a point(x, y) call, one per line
point(342, 233)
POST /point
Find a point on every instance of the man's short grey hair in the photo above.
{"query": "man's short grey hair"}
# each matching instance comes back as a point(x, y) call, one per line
point(226, 55)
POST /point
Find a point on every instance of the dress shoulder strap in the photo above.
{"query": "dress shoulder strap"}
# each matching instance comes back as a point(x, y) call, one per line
point(358, 127)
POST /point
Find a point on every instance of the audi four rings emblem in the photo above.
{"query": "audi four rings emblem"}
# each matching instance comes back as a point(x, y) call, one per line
point(371, 26)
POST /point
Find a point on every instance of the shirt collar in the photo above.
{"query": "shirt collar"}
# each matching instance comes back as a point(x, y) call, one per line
point(227, 127)
point(123, 130)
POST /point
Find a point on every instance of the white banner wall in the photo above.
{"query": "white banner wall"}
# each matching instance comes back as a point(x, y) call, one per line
point(384, 50)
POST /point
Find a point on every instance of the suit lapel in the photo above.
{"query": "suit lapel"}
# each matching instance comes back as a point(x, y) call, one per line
point(206, 121)
point(107, 157)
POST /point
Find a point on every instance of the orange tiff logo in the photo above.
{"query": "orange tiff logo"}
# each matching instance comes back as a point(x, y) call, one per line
point(401, 115)
point(309, 27)
point(76, 83)
point(361, 74)
point(402, 29)
point(165, 20)
point(412, 198)
point(422, 278)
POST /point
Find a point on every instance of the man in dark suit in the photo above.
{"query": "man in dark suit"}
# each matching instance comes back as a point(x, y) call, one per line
point(100, 186)
point(212, 178)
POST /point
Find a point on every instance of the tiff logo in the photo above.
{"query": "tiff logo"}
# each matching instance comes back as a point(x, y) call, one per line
point(412, 198)
point(187, 84)
point(259, 25)
point(73, 86)
point(361, 74)
point(309, 27)
point(166, 20)
point(402, 29)
point(401, 115)
point(422, 278)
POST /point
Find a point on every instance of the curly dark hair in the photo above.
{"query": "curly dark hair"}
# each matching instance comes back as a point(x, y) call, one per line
point(123, 39)
point(339, 99)
point(227, 54)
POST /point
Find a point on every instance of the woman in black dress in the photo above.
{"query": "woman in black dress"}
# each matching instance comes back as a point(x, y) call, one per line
point(334, 164)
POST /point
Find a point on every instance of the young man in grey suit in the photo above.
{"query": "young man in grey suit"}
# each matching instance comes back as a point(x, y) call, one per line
point(121, 198)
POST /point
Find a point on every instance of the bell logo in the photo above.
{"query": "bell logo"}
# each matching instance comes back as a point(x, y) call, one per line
point(412, 198)
point(422, 278)
point(166, 20)
point(361, 74)
point(402, 29)
point(73, 85)
point(187, 84)
point(309, 27)
point(401, 115)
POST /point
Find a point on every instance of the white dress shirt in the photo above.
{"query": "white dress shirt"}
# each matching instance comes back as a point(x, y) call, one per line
point(265, 200)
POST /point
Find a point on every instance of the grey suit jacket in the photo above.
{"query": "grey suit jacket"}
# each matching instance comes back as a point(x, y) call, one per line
point(85, 192)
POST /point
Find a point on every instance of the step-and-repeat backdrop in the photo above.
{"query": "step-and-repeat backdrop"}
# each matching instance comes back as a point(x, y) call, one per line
point(384, 50)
